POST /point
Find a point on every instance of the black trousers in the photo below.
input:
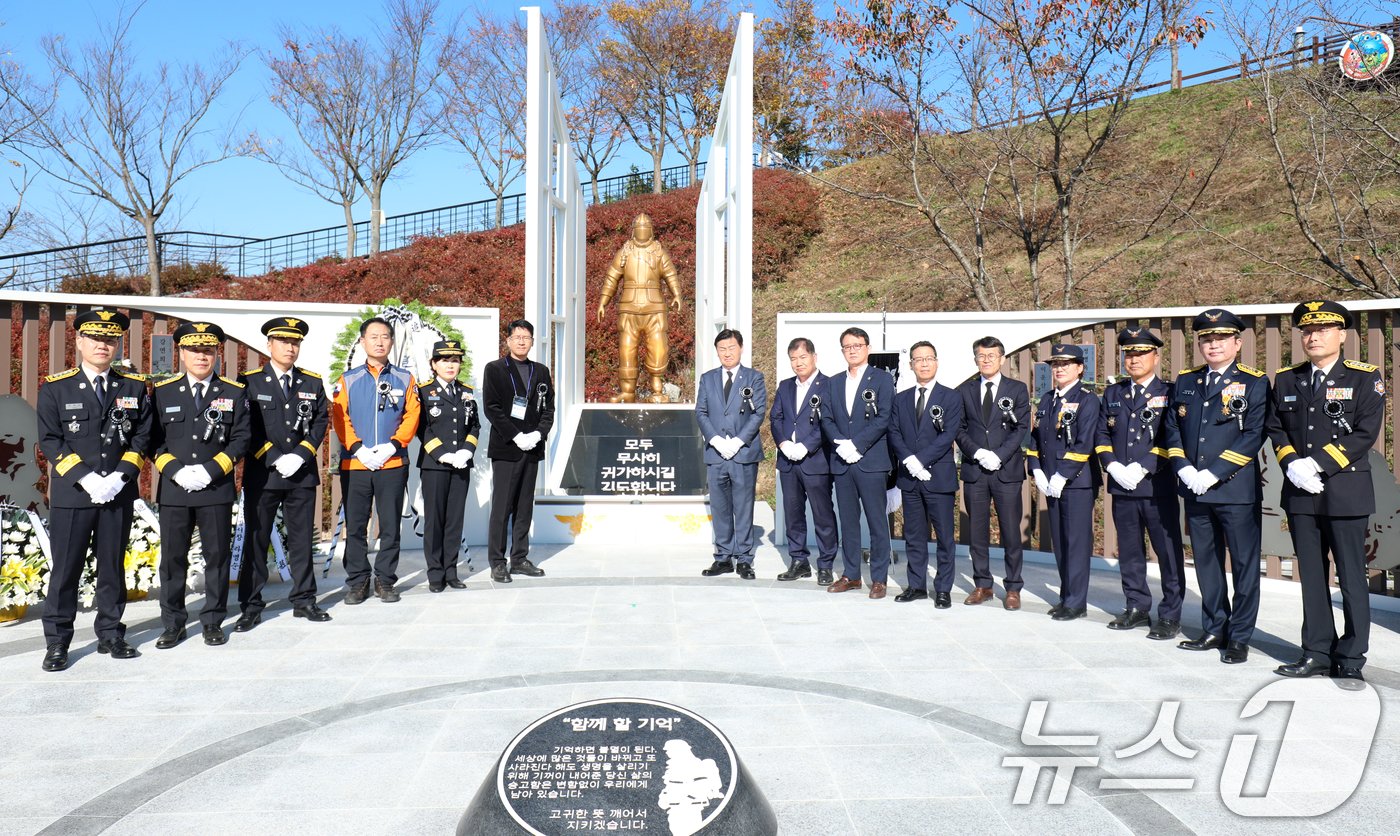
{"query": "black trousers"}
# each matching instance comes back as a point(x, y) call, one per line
point(1345, 538)
point(799, 489)
point(259, 516)
point(512, 508)
point(383, 492)
point(1214, 528)
point(1158, 518)
point(106, 527)
point(926, 510)
point(444, 509)
point(979, 497)
point(1072, 538)
point(177, 524)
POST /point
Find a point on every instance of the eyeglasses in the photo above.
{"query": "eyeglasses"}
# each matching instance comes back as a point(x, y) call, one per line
point(986, 358)
point(853, 346)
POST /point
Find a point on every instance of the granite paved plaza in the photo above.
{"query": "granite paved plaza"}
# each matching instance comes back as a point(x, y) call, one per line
point(854, 716)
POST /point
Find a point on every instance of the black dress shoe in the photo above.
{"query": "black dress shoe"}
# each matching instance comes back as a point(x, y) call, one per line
point(1235, 653)
point(118, 648)
point(824, 577)
point(798, 569)
point(500, 573)
point(1070, 613)
point(1164, 629)
point(456, 584)
point(434, 586)
point(1348, 673)
point(386, 592)
point(719, 567)
point(1055, 610)
point(214, 635)
point(1130, 618)
point(247, 621)
point(311, 612)
point(171, 637)
point(745, 571)
point(357, 594)
point(1305, 667)
point(523, 566)
point(943, 600)
point(911, 594)
point(1209, 641)
point(55, 658)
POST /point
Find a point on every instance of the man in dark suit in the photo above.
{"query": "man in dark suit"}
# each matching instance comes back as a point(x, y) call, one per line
point(1216, 432)
point(996, 417)
point(1060, 461)
point(729, 406)
point(518, 398)
point(1327, 413)
point(202, 430)
point(94, 430)
point(1132, 447)
point(804, 467)
point(926, 422)
point(289, 415)
point(855, 421)
point(448, 435)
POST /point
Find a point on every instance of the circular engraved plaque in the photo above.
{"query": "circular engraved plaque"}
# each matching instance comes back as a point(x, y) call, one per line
point(628, 765)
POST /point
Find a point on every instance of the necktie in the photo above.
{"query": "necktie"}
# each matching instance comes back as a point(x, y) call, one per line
point(99, 385)
point(919, 407)
point(199, 397)
point(287, 386)
point(1137, 391)
point(1213, 381)
point(987, 405)
point(728, 384)
point(1318, 380)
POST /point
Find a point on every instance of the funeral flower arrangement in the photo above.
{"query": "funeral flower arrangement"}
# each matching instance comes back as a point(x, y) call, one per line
point(142, 550)
point(24, 570)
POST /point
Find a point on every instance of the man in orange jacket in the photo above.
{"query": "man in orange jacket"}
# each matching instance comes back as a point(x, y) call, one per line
point(374, 408)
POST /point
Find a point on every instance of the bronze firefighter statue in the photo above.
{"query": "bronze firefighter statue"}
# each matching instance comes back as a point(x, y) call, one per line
point(641, 267)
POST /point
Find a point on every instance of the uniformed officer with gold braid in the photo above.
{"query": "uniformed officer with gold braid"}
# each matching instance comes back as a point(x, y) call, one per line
point(94, 429)
point(201, 432)
point(1327, 414)
point(289, 414)
point(1214, 438)
point(447, 429)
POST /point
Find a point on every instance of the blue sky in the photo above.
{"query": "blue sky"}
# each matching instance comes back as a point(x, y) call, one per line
point(247, 197)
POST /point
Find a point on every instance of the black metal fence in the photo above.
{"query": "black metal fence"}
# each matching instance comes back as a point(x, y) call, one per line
point(241, 256)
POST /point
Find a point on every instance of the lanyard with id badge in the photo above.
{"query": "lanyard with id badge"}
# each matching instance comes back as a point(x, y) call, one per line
point(519, 403)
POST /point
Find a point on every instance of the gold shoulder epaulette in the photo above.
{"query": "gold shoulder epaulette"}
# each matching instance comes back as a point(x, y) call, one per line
point(231, 382)
point(1249, 370)
point(1191, 370)
point(1290, 368)
point(254, 370)
point(1360, 366)
point(61, 375)
point(170, 380)
point(310, 373)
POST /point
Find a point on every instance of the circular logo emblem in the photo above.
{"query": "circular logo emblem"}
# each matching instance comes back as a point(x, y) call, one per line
point(630, 765)
point(1365, 56)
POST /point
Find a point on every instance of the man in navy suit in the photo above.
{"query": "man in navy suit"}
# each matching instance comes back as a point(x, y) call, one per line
point(996, 417)
point(855, 420)
point(1132, 447)
point(1216, 432)
point(729, 406)
point(804, 469)
point(926, 421)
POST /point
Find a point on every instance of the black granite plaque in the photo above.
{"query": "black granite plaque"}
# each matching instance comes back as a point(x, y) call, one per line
point(621, 765)
point(636, 451)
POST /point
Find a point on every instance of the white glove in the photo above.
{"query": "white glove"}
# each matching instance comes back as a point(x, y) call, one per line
point(383, 452)
point(1119, 472)
point(1313, 484)
point(1204, 481)
point(924, 475)
point(522, 440)
point(1301, 469)
point(1137, 472)
point(366, 457)
point(463, 459)
point(846, 449)
point(1057, 485)
point(911, 463)
point(1041, 482)
point(192, 478)
point(799, 451)
point(114, 484)
point(1187, 475)
point(95, 485)
point(729, 447)
point(287, 464)
point(988, 459)
point(534, 439)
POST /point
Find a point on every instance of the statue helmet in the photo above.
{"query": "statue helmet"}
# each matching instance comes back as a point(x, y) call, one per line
point(641, 220)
